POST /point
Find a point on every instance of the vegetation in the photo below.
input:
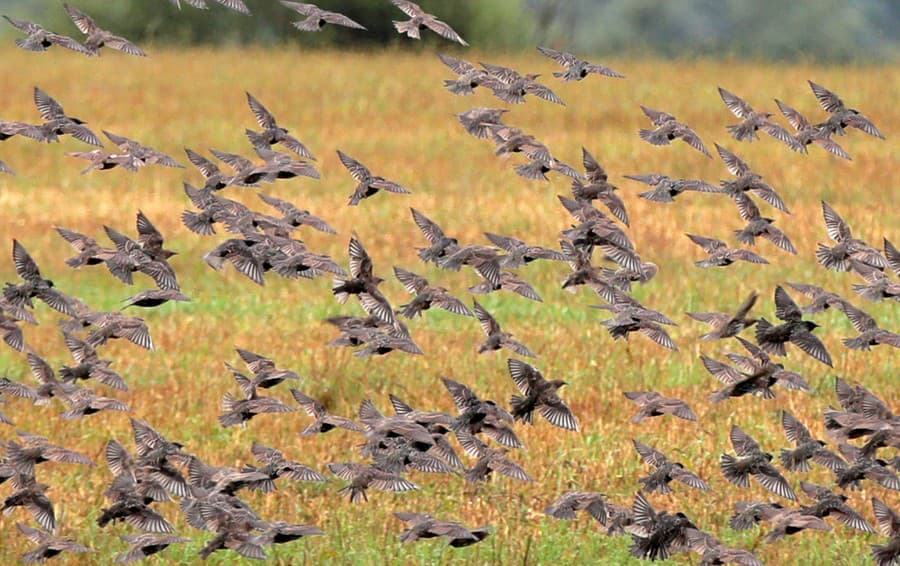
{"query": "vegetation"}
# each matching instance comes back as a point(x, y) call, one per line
point(387, 109)
point(860, 31)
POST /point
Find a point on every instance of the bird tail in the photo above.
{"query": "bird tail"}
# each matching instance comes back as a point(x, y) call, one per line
point(357, 494)
point(745, 237)
point(410, 28)
point(336, 285)
point(198, 222)
point(791, 460)
point(733, 471)
point(521, 409)
point(459, 87)
point(831, 259)
point(883, 555)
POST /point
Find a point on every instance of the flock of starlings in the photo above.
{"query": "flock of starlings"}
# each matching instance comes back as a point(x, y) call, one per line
point(419, 440)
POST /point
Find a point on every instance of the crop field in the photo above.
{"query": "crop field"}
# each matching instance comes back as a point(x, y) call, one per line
point(388, 110)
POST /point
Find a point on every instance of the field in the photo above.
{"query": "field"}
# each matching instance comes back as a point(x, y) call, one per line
point(388, 110)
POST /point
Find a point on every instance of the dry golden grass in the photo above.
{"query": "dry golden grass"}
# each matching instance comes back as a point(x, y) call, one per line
point(389, 111)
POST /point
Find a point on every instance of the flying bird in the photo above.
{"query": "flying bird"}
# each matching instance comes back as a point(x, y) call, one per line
point(576, 69)
point(40, 39)
point(668, 129)
point(316, 18)
point(98, 37)
point(420, 20)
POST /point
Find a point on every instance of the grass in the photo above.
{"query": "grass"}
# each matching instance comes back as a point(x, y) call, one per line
point(388, 110)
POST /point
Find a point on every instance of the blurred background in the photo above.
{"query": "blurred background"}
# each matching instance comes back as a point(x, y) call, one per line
point(859, 31)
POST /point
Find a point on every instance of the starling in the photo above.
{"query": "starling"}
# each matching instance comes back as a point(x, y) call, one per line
point(752, 121)
point(40, 39)
point(49, 544)
point(420, 20)
point(795, 330)
point(424, 525)
point(720, 255)
point(576, 69)
point(538, 394)
point(807, 447)
point(751, 460)
point(566, 505)
point(841, 116)
point(98, 37)
point(727, 325)
point(830, 504)
point(362, 477)
point(316, 17)
point(652, 404)
point(666, 471)
point(496, 337)
point(668, 129)
point(807, 133)
point(656, 535)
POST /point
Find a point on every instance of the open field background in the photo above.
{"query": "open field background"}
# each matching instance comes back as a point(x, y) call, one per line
point(389, 111)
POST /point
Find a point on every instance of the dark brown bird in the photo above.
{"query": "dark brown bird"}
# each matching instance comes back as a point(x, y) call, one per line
point(57, 123)
point(276, 465)
point(324, 421)
point(869, 332)
point(720, 255)
point(652, 404)
point(34, 285)
point(667, 189)
point(726, 325)
point(40, 39)
point(31, 496)
point(747, 181)
point(668, 129)
point(795, 330)
point(144, 154)
point(98, 37)
point(441, 245)
point(511, 86)
point(427, 296)
point(596, 186)
point(666, 471)
point(420, 20)
point(489, 460)
point(147, 544)
point(656, 535)
point(49, 545)
point(760, 377)
point(759, 226)
point(477, 415)
point(786, 521)
point(830, 504)
point(239, 411)
point(807, 447)
point(35, 449)
point(752, 461)
point(481, 122)
point(112, 325)
point(316, 17)
point(566, 505)
point(842, 116)
point(807, 133)
point(362, 477)
point(83, 402)
point(822, 299)
point(889, 525)
point(101, 160)
point(630, 318)
point(538, 394)
point(369, 184)
point(424, 525)
point(496, 337)
point(154, 298)
point(273, 133)
point(362, 278)
point(520, 253)
point(295, 216)
point(878, 285)
point(837, 258)
point(509, 281)
point(576, 69)
point(470, 78)
point(753, 121)
point(713, 551)
point(265, 373)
